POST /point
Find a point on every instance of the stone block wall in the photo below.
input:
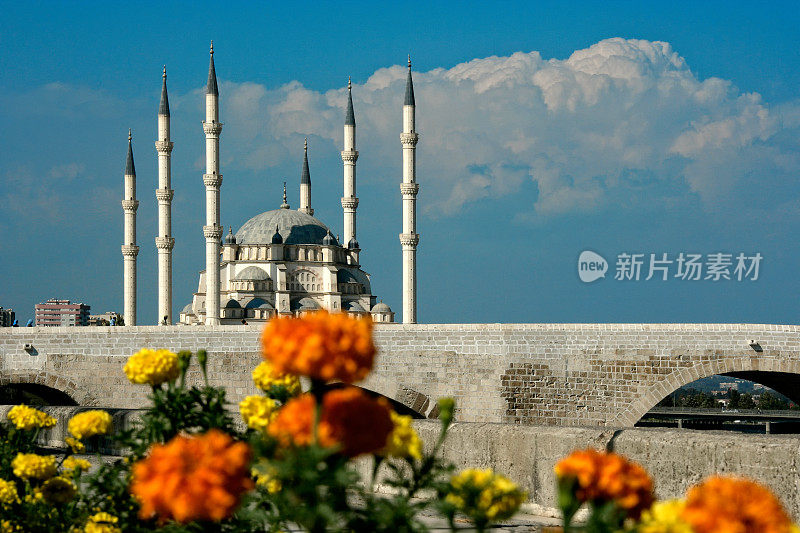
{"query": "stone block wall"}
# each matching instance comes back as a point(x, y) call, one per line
point(675, 459)
point(539, 374)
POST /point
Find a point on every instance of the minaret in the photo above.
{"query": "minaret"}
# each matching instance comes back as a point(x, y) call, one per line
point(305, 184)
point(409, 189)
point(129, 249)
point(164, 241)
point(349, 158)
point(212, 180)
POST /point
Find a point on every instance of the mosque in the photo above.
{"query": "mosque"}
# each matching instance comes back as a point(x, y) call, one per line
point(280, 262)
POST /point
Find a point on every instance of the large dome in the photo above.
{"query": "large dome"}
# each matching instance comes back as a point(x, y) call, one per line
point(295, 227)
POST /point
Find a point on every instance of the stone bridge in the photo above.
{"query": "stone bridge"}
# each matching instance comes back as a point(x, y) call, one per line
point(534, 374)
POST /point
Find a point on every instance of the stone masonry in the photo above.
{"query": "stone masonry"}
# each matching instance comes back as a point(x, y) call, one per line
point(532, 374)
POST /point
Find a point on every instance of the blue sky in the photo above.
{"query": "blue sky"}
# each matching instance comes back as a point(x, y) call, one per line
point(617, 127)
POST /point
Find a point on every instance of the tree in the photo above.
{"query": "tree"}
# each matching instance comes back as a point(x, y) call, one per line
point(746, 402)
point(733, 396)
point(769, 401)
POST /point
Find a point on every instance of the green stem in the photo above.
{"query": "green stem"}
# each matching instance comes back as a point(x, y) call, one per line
point(317, 390)
point(376, 464)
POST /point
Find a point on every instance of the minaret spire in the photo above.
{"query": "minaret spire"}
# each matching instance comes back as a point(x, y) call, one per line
point(409, 100)
point(129, 249)
point(409, 189)
point(350, 116)
point(305, 184)
point(285, 204)
point(212, 179)
point(163, 106)
point(211, 86)
point(164, 194)
point(349, 158)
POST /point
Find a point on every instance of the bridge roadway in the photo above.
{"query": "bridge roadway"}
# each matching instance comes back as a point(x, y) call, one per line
point(734, 414)
point(787, 421)
point(534, 374)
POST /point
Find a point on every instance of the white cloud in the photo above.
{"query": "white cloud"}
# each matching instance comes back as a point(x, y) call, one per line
point(583, 129)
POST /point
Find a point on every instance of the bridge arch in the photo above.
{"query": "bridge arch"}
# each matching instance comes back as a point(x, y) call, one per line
point(782, 376)
point(400, 407)
point(45, 381)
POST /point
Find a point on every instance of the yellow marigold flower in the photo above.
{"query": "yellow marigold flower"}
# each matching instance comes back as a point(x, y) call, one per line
point(258, 411)
point(734, 504)
point(34, 496)
point(320, 345)
point(72, 464)
point(32, 466)
point(89, 423)
point(74, 444)
point(484, 496)
point(58, 490)
point(664, 517)
point(266, 377)
point(605, 476)
point(265, 477)
point(102, 523)
point(7, 526)
point(27, 418)
point(403, 441)
point(8, 492)
point(152, 367)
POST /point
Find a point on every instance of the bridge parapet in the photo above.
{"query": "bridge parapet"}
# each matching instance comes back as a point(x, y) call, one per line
point(545, 374)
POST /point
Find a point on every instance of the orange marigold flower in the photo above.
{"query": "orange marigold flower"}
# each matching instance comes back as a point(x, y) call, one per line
point(320, 345)
point(606, 476)
point(734, 505)
point(350, 419)
point(193, 478)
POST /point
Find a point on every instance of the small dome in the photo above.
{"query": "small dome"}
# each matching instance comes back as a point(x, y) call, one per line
point(229, 238)
point(187, 309)
point(258, 303)
point(276, 237)
point(232, 304)
point(354, 276)
point(353, 307)
point(328, 240)
point(353, 244)
point(251, 273)
point(381, 307)
point(305, 304)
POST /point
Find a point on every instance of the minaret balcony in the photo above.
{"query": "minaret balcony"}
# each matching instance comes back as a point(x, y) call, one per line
point(164, 195)
point(212, 232)
point(409, 189)
point(409, 239)
point(164, 147)
point(212, 180)
point(409, 139)
point(130, 250)
point(165, 243)
point(349, 202)
point(212, 128)
point(130, 206)
point(349, 156)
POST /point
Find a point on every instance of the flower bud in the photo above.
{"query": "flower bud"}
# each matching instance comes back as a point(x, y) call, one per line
point(446, 408)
